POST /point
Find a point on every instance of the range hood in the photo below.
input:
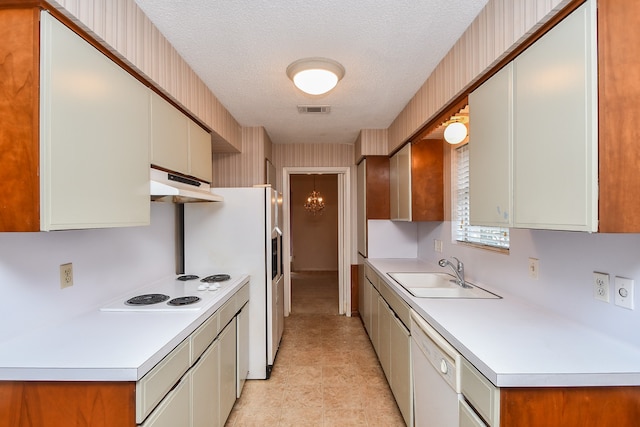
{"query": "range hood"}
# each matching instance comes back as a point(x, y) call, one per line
point(173, 188)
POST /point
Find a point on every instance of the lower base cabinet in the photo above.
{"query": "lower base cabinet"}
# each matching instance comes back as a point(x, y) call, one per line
point(390, 338)
point(175, 409)
point(205, 390)
point(227, 370)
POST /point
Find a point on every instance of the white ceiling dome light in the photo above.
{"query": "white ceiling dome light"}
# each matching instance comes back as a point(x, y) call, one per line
point(455, 133)
point(315, 76)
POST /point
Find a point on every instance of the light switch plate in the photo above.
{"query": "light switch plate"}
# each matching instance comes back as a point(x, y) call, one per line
point(534, 267)
point(623, 296)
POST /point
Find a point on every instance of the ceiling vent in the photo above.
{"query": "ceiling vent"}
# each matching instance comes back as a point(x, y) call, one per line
point(314, 109)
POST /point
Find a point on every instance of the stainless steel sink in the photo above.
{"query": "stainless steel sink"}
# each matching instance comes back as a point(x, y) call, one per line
point(437, 285)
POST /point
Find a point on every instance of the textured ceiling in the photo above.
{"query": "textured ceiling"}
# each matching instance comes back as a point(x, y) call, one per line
point(241, 50)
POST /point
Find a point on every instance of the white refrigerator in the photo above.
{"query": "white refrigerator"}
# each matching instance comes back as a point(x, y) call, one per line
point(241, 235)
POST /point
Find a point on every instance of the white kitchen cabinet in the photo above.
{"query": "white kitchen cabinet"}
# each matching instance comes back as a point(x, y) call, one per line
point(200, 157)
point(539, 169)
point(400, 362)
point(400, 184)
point(555, 127)
point(391, 340)
point(491, 151)
point(94, 136)
point(227, 370)
point(384, 336)
point(175, 409)
point(205, 389)
point(169, 136)
point(365, 306)
point(242, 348)
point(178, 143)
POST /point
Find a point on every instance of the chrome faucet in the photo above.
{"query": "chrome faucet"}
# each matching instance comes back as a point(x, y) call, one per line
point(457, 269)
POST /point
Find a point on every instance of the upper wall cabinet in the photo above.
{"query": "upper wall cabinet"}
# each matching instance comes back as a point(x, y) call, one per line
point(75, 131)
point(178, 143)
point(551, 139)
point(416, 182)
point(490, 151)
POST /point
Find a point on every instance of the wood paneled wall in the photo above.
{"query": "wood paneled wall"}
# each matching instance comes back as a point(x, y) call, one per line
point(123, 28)
point(499, 28)
point(246, 168)
point(311, 155)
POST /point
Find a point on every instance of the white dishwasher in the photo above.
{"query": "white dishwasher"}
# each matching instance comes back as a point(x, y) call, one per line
point(436, 376)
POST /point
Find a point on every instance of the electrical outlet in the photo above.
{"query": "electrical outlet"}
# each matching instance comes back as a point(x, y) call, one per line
point(601, 286)
point(437, 245)
point(534, 267)
point(66, 275)
point(624, 292)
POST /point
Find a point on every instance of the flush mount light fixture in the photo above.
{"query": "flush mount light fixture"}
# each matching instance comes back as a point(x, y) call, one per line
point(315, 76)
point(455, 133)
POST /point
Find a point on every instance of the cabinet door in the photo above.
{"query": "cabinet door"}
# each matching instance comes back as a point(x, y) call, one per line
point(200, 160)
point(384, 337)
point(366, 304)
point(555, 146)
point(169, 136)
point(375, 320)
point(175, 409)
point(490, 151)
point(205, 388)
point(227, 370)
point(401, 382)
point(94, 138)
point(242, 348)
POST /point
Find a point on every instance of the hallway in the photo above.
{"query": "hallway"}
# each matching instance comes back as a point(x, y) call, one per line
point(326, 372)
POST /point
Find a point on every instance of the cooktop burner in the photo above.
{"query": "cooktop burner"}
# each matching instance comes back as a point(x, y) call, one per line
point(216, 278)
point(147, 299)
point(184, 300)
point(186, 277)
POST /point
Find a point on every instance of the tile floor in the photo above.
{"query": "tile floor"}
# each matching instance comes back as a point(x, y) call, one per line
point(326, 372)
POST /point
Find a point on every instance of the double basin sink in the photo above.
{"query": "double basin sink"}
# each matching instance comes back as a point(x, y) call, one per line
point(438, 285)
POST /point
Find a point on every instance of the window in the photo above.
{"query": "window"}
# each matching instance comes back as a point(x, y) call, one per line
point(495, 237)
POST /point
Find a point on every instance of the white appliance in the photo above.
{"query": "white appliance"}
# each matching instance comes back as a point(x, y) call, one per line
point(242, 236)
point(436, 376)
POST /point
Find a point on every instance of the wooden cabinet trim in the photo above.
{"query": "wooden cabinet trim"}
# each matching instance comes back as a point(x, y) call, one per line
point(570, 407)
point(427, 180)
point(377, 187)
point(19, 127)
point(63, 404)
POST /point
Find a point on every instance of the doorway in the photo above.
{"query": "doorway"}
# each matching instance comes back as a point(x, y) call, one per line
point(293, 258)
point(314, 243)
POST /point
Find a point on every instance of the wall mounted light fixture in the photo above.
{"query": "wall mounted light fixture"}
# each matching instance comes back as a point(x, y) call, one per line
point(455, 132)
point(315, 76)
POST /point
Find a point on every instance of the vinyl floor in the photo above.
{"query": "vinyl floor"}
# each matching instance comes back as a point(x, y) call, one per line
point(326, 372)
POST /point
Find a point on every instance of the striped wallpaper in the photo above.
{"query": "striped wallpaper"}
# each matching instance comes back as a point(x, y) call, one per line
point(248, 167)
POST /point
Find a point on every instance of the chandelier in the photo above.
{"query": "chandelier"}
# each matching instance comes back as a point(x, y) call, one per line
point(314, 203)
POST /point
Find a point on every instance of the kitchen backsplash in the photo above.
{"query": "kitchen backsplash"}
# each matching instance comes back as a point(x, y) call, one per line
point(567, 261)
point(107, 263)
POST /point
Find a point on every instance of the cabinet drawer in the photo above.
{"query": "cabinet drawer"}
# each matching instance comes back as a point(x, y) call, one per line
point(174, 409)
point(227, 312)
point(203, 336)
point(468, 418)
point(481, 394)
point(152, 387)
point(399, 307)
point(242, 297)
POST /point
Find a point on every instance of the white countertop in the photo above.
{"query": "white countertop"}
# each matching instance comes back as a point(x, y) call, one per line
point(515, 344)
point(110, 346)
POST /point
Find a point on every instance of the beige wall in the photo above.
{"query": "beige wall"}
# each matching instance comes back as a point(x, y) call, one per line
point(246, 168)
point(314, 237)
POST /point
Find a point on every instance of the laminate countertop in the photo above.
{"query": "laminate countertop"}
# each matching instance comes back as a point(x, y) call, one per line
point(111, 345)
point(516, 344)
